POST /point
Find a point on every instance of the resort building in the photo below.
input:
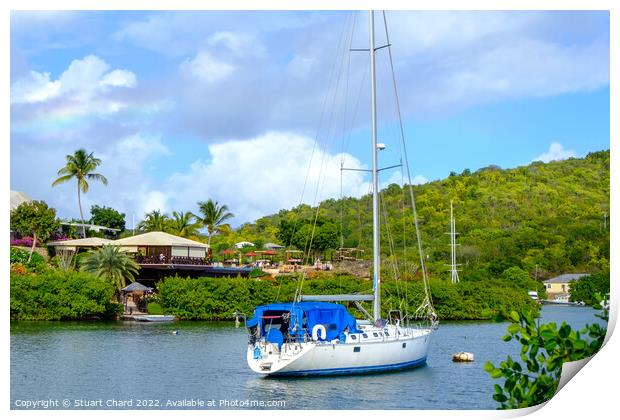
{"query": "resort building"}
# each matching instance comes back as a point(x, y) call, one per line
point(76, 244)
point(558, 287)
point(162, 247)
point(159, 255)
point(272, 247)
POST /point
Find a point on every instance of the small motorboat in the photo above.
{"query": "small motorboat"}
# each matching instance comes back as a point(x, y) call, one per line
point(154, 318)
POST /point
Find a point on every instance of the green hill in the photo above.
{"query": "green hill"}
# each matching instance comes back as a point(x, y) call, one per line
point(545, 218)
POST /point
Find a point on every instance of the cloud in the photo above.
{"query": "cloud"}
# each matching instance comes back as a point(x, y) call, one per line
point(556, 152)
point(132, 185)
point(262, 175)
point(444, 62)
point(85, 87)
point(88, 96)
point(35, 87)
point(237, 43)
point(119, 78)
point(178, 33)
point(239, 75)
point(419, 180)
point(448, 61)
point(206, 67)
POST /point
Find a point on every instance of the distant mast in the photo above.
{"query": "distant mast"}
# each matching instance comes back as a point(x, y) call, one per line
point(454, 272)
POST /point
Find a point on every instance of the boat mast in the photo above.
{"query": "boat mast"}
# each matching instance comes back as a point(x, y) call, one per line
point(375, 171)
point(454, 273)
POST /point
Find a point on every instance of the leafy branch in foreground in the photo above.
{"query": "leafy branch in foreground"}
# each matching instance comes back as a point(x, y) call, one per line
point(544, 348)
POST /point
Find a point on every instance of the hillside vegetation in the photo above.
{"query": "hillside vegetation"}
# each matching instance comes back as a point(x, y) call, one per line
point(545, 218)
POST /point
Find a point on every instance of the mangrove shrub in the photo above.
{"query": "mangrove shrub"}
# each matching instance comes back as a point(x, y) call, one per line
point(544, 348)
point(61, 295)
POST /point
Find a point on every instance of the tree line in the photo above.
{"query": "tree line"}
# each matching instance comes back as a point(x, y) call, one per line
point(545, 218)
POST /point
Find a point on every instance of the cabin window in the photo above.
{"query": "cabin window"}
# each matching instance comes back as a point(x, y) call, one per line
point(353, 337)
point(375, 335)
point(387, 334)
point(404, 345)
point(357, 349)
point(365, 335)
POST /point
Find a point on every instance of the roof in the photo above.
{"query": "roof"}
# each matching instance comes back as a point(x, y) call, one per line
point(157, 239)
point(85, 242)
point(270, 245)
point(566, 278)
point(18, 197)
point(137, 287)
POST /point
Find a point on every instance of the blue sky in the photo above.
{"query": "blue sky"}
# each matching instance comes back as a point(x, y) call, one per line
point(185, 106)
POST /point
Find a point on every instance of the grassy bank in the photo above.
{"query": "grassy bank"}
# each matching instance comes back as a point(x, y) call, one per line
point(218, 299)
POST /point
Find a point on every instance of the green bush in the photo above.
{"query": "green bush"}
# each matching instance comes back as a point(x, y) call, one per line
point(20, 255)
point(60, 295)
point(154, 308)
point(544, 348)
point(587, 288)
point(216, 299)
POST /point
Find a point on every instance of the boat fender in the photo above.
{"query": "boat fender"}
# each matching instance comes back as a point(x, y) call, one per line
point(319, 331)
point(463, 356)
point(257, 352)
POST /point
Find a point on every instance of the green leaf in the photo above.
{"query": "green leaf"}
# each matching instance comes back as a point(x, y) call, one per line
point(547, 335)
point(488, 366)
point(515, 316)
point(565, 330)
point(500, 397)
point(514, 328)
point(579, 345)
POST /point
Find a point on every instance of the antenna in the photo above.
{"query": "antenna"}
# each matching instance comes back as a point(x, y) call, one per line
point(454, 272)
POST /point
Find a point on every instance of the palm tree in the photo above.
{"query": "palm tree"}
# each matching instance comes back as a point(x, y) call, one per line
point(154, 221)
point(112, 264)
point(183, 224)
point(81, 166)
point(213, 217)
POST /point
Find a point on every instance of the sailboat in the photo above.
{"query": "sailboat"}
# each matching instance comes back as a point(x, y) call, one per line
point(315, 336)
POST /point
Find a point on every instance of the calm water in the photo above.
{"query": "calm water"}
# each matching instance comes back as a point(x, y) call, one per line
point(126, 361)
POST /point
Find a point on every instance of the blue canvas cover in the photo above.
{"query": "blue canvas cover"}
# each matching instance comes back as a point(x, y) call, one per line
point(301, 317)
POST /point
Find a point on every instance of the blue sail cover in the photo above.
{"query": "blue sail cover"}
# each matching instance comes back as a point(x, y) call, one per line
point(301, 317)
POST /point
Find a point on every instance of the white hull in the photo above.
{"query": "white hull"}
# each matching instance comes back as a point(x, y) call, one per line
point(402, 348)
point(154, 318)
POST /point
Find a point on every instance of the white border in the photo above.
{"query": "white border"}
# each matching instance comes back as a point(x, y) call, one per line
point(591, 394)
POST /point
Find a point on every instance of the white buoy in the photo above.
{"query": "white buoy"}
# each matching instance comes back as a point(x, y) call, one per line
point(463, 356)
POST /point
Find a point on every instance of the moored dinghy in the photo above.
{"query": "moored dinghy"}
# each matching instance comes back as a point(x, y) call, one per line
point(154, 318)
